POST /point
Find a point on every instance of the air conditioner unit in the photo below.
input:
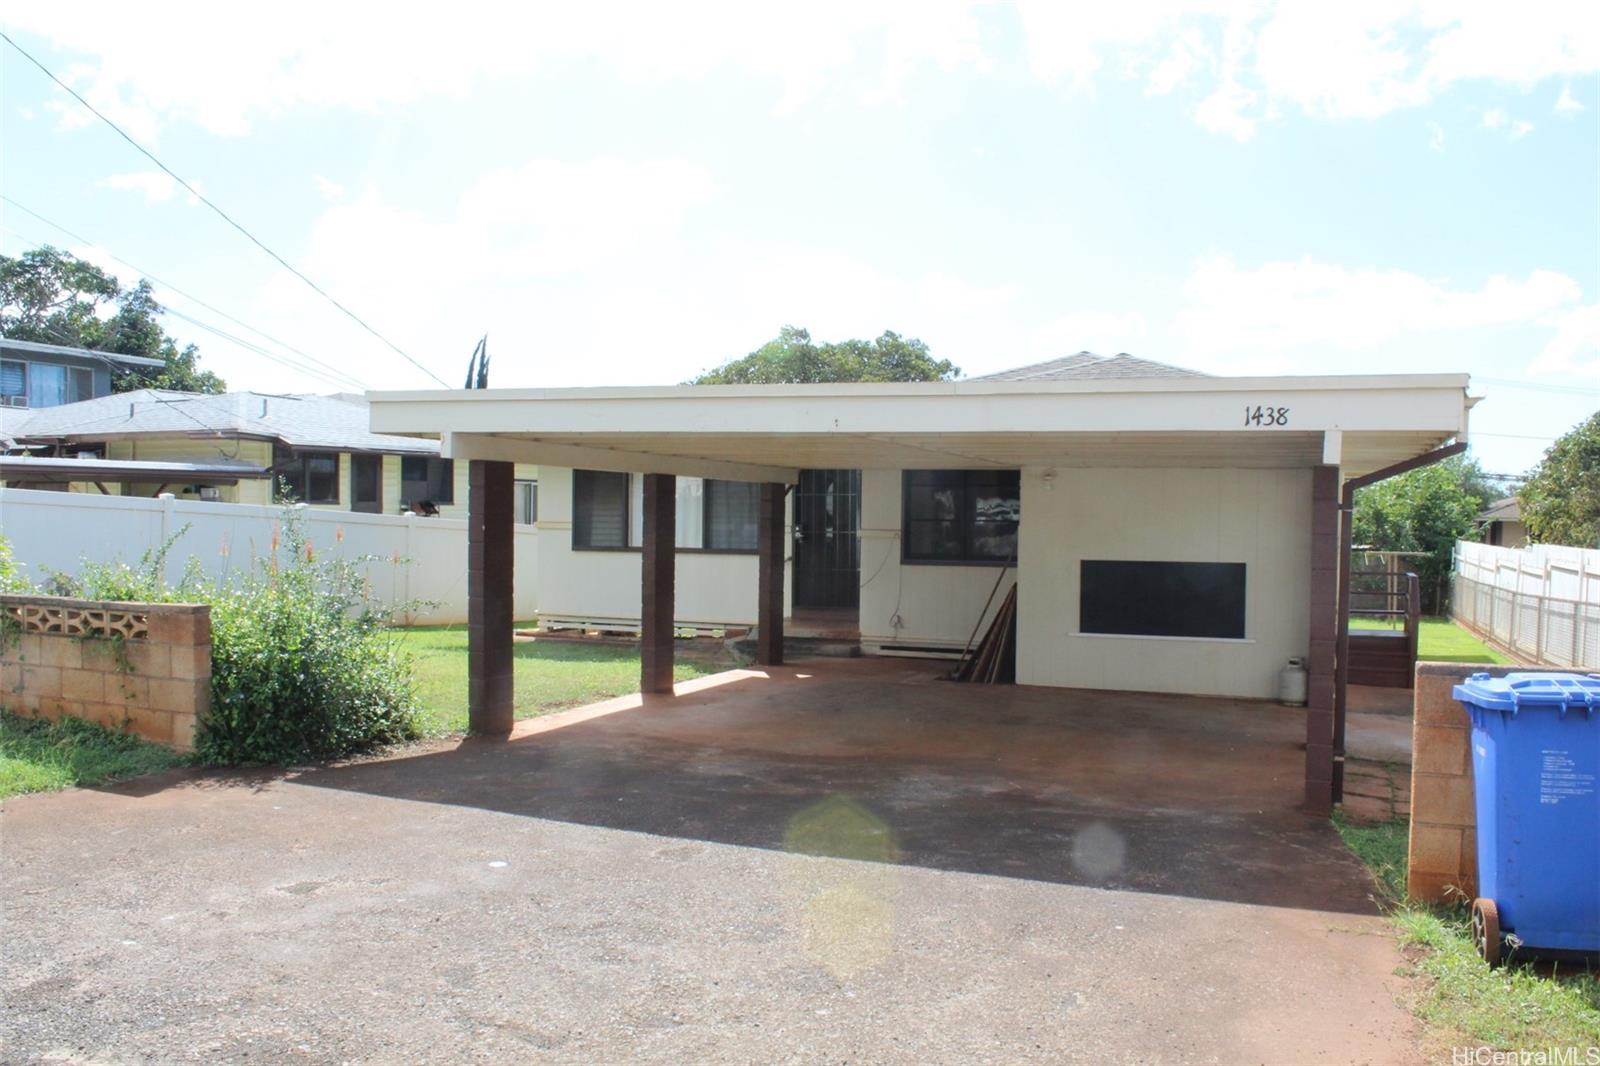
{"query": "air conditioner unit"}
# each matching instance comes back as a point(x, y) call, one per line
point(13, 401)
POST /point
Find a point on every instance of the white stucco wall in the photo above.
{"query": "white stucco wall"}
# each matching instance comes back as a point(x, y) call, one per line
point(713, 588)
point(914, 605)
point(1257, 517)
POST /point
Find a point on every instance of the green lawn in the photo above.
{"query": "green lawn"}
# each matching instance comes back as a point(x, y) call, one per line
point(1462, 1001)
point(41, 756)
point(1439, 640)
point(548, 675)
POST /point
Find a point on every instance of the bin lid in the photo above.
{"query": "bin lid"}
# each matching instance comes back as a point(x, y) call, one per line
point(1517, 691)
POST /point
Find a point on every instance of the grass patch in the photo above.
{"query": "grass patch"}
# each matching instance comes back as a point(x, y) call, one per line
point(1462, 1001)
point(546, 675)
point(1440, 640)
point(41, 756)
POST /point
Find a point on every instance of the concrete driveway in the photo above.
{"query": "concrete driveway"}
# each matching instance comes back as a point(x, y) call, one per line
point(845, 861)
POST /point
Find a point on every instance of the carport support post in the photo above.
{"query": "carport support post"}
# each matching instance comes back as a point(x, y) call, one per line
point(490, 563)
point(769, 595)
point(656, 595)
point(1324, 624)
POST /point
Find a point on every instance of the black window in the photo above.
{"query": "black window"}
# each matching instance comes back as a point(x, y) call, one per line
point(310, 477)
point(733, 510)
point(1160, 599)
point(961, 516)
point(599, 509)
point(425, 478)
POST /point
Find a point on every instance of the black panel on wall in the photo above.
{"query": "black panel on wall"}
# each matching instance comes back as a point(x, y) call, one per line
point(1162, 599)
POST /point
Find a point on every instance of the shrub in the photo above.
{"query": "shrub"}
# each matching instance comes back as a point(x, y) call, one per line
point(303, 666)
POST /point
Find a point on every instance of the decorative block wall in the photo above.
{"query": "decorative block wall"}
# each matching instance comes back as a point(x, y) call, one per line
point(1443, 860)
point(144, 668)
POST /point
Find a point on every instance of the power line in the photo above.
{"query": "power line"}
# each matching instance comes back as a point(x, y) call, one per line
point(1512, 383)
point(357, 319)
point(338, 375)
point(1511, 436)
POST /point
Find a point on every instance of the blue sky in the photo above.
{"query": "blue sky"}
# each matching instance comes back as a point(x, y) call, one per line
point(630, 193)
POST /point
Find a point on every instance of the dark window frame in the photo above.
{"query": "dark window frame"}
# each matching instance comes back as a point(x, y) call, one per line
point(294, 466)
point(447, 497)
point(627, 521)
point(964, 517)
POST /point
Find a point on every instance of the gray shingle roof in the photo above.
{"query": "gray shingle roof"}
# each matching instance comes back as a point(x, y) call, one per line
point(338, 423)
point(1508, 509)
point(1086, 366)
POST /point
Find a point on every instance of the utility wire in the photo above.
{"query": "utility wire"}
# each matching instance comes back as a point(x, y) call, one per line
point(1512, 383)
point(329, 367)
point(357, 319)
point(330, 375)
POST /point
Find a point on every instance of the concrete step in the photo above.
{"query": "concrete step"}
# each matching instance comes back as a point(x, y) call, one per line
point(805, 648)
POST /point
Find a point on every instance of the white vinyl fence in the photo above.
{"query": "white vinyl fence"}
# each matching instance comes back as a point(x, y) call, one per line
point(59, 531)
point(1540, 603)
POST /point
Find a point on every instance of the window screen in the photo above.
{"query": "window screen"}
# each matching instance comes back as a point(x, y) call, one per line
point(1158, 599)
point(732, 515)
point(80, 384)
point(599, 509)
point(961, 516)
point(311, 477)
point(426, 478)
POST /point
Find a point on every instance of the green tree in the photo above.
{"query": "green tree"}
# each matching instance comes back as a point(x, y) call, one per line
point(1425, 510)
point(1561, 498)
point(793, 358)
point(53, 297)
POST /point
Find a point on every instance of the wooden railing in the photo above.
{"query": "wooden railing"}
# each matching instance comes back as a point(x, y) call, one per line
point(1385, 656)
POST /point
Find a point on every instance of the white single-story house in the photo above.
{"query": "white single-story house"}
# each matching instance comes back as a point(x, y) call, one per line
point(1501, 524)
point(1167, 531)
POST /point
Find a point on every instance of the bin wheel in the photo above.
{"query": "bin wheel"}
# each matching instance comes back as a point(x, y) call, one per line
point(1486, 930)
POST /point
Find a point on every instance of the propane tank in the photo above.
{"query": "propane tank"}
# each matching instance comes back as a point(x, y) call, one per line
point(1292, 683)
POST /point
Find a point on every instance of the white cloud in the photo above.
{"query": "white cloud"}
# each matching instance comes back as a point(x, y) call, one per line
point(1494, 118)
point(1566, 103)
point(224, 66)
point(1435, 137)
point(1353, 60)
point(1271, 312)
point(156, 187)
point(1575, 348)
point(1497, 118)
point(328, 189)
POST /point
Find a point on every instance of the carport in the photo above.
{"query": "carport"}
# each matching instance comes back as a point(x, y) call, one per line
point(1075, 443)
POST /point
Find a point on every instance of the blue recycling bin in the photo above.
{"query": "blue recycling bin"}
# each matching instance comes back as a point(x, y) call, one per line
point(1536, 764)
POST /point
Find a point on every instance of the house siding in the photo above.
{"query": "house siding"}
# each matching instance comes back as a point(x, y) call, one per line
point(1261, 518)
point(915, 605)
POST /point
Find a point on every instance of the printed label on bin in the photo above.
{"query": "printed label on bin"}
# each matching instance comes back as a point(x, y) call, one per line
point(1559, 778)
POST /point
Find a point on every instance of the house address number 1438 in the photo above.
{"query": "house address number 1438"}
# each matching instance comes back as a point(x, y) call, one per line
point(1265, 416)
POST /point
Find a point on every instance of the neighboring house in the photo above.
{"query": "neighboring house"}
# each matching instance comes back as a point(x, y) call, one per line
point(1501, 524)
point(1167, 530)
point(36, 375)
point(236, 448)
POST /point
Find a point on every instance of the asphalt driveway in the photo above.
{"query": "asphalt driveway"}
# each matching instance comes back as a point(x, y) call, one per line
point(842, 862)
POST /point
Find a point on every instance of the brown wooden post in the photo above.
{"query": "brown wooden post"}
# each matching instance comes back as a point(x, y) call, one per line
point(1324, 638)
point(769, 595)
point(490, 565)
point(656, 594)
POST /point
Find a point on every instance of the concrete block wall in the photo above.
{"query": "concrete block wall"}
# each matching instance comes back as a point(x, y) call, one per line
point(1443, 860)
point(143, 668)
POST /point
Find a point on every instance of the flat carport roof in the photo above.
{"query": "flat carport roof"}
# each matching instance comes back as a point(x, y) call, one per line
point(767, 432)
point(1344, 429)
